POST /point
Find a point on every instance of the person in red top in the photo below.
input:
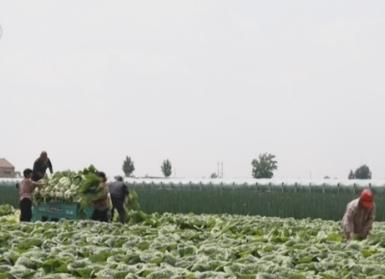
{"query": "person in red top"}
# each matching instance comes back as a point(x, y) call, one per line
point(26, 188)
point(359, 216)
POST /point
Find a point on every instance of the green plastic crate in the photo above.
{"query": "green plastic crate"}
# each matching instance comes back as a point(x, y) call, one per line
point(54, 211)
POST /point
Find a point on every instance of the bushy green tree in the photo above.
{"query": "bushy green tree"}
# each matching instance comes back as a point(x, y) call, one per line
point(166, 168)
point(128, 166)
point(363, 172)
point(351, 175)
point(264, 166)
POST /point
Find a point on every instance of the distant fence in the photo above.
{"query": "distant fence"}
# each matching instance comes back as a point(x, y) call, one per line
point(9, 193)
point(283, 200)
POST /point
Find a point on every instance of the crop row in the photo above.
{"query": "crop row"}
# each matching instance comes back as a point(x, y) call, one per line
point(188, 246)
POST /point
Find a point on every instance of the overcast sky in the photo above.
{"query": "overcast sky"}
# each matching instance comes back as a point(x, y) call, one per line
point(196, 82)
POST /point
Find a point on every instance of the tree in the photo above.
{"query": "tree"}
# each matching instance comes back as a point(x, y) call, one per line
point(363, 172)
point(214, 175)
point(166, 168)
point(351, 175)
point(128, 166)
point(264, 166)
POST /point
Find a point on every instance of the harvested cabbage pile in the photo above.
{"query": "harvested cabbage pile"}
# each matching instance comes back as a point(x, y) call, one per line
point(70, 186)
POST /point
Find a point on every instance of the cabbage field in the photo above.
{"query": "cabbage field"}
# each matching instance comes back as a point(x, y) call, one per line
point(187, 246)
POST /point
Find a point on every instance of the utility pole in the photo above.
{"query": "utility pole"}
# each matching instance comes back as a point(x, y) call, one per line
point(222, 170)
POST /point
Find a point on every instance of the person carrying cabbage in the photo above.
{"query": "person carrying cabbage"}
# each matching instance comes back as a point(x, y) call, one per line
point(101, 205)
point(359, 216)
point(118, 192)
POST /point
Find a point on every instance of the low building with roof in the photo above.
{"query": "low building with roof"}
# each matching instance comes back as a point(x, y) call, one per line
point(7, 170)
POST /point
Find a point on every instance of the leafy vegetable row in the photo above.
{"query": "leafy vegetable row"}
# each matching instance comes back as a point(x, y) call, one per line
point(188, 246)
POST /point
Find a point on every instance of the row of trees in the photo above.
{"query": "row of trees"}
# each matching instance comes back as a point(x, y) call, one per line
point(129, 167)
point(266, 164)
point(362, 172)
point(262, 167)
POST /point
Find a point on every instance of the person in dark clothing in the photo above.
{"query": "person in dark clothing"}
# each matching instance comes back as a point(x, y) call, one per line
point(40, 166)
point(26, 188)
point(118, 192)
point(100, 212)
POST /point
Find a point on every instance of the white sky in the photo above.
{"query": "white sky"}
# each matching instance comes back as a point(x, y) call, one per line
point(196, 82)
